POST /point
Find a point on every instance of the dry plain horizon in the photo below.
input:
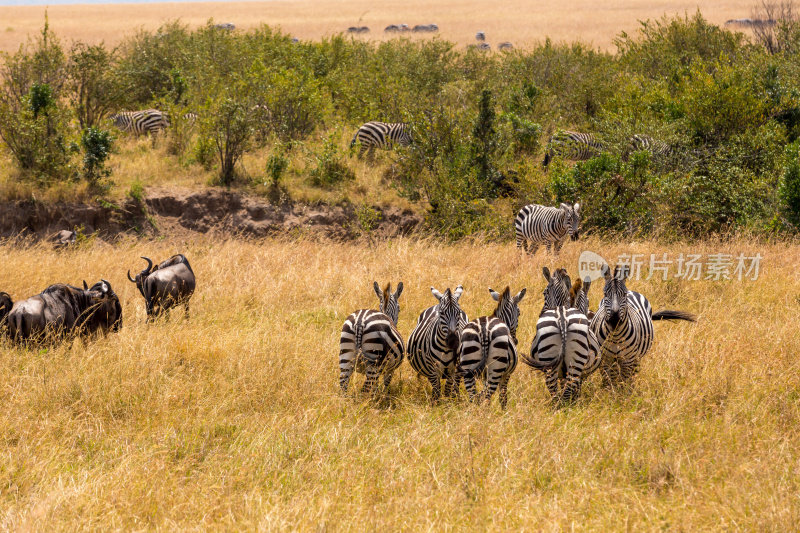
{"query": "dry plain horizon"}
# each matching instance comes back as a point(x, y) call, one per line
point(521, 22)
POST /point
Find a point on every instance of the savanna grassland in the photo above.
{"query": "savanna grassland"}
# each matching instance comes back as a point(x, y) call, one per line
point(518, 21)
point(232, 420)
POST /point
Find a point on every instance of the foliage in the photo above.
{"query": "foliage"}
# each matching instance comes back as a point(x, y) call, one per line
point(790, 186)
point(94, 91)
point(330, 168)
point(96, 145)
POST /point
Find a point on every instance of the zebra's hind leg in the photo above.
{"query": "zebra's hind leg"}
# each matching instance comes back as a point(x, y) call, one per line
point(612, 374)
point(436, 384)
point(628, 371)
point(503, 392)
point(347, 362)
point(451, 384)
point(522, 242)
point(469, 384)
point(372, 372)
point(552, 381)
point(493, 379)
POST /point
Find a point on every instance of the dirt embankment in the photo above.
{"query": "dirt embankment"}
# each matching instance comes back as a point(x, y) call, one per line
point(169, 212)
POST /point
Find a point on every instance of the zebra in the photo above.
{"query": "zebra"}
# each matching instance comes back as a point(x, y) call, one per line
point(370, 342)
point(489, 347)
point(536, 224)
point(433, 344)
point(150, 121)
point(564, 348)
point(644, 143)
point(572, 145)
point(623, 325)
point(381, 134)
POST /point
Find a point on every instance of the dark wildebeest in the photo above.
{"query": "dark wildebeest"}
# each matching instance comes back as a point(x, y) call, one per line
point(63, 309)
point(5, 307)
point(168, 284)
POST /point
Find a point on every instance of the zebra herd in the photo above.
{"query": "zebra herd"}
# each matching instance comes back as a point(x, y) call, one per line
point(577, 146)
point(570, 344)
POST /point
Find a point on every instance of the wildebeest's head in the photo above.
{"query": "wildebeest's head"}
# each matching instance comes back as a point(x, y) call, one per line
point(106, 311)
point(572, 218)
point(449, 312)
point(615, 295)
point(556, 294)
point(389, 305)
point(508, 308)
point(5, 306)
point(141, 276)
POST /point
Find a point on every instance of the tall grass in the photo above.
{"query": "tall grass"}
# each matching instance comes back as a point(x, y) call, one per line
point(232, 420)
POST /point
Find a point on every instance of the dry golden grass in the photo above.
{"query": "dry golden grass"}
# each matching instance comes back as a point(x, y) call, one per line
point(519, 21)
point(232, 420)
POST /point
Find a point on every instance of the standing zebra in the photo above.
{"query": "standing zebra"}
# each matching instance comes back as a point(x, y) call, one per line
point(433, 345)
point(537, 224)
point(565, 348)
point(489, 347)
point(370, 342)
point(572, 145)
point(150, 121)
point(382, 135)
point(623, 325)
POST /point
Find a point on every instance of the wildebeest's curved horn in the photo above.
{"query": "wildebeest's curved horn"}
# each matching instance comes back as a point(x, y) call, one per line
point(149, 266)
point(85, 286)
point(129, 276)
point(108, 285)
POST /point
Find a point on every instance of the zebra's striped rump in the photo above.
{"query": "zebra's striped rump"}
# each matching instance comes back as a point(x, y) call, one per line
point(536, 224)
point(572, 145)
point(487, 349)
point(566, 350)
point(150, 121)
point(370, 343)
point(434, 342)
point(381, 135)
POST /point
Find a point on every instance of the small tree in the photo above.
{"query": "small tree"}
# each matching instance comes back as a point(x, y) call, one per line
point(484, 144)
point(96, 145)
point(790, 186)
point(93, 89)
point(229, 124)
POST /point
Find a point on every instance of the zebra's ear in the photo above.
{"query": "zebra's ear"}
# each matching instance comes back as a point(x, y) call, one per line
point(378, 291)
point(520, 295)
point(436, 293)
point(622, 272)
point(577, 207)
point(399, 291)
point(546, 272)
point(587, 284)
point(606, 272)
point(495, 295)
point(458, 291)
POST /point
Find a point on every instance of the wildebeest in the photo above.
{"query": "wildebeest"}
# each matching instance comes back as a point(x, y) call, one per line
point(64, 238)
point(480, 36)
point(505, 46)
point(425, 28)
point(168, 284)
point(358, 29)
point(63, 309)
point(5, 307)
point(392, 28)
point(225, 26)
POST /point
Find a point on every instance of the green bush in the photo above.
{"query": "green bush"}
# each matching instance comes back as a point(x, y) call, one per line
point(790, 186)
point(330, 168)
point(96, 149)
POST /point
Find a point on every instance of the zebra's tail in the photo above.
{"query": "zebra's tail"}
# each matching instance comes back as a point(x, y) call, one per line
point(674, 315)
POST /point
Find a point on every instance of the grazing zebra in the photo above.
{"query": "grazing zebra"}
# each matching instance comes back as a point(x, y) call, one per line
point(433, 345)
point(565, 348)
point(572, 145)
point(623, 325)
point(537, 224)
point(370, 342)
point(645, 143)
point(381, 134)
point(150, 121)
point(505, 45)
point(489, 347)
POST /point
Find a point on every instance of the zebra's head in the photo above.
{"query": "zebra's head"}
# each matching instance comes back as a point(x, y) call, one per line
point(389, 304)
point(449, 312)
point(508, 308)
point(579, 295)
point(556, 294)
point(615, 295)
point(572, 219)
point(405, 135)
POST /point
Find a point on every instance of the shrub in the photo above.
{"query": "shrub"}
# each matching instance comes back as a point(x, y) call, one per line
point(330, 168)
point(790, 186)
point(94, 91)
point(96, 145)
